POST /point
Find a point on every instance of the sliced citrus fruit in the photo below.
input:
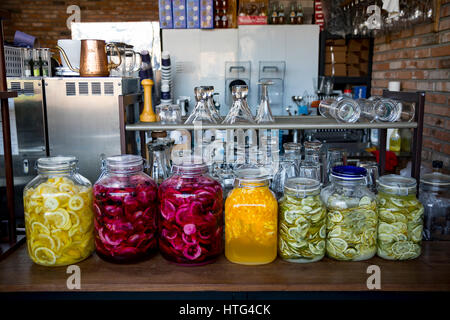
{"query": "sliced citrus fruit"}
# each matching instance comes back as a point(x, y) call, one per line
point(44, 256)
point(51, 203)
point(60, 219)
point(339, 244)
point(76, 203)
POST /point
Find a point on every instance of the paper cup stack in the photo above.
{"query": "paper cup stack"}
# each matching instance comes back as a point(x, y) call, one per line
point(166, 79)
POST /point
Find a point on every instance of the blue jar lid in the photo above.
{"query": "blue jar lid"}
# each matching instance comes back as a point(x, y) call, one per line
point(349, 172)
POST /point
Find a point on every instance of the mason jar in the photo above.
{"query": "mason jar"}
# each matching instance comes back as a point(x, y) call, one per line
point(435, 196)
point(191, 215)
point(302, 221)
point(352, 215)
point(401, 218)
point(59, 221)
point(251, 219)
point(126, 204)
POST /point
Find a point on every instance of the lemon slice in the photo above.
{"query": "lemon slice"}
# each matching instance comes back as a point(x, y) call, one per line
point(323, 232)
point(387, 238)
point(365, 201)
point(336, 232)
point(290, 216)
point(335, 216)
point(400, 227)
point(401, 247)
point(386, 216)
point(66, 188)
point(299, 232)
point(301, 220)
point(339, 244)
point(62, 239)
point(59, 218)
point(399, 202)
point(308, 201)
point(76, 203)
point(74, 218)
point(385, 228)
point(316, 217)
point(51, 203)
point(45, 256)
point(321, 246)
point(39, 228)
point(331, 250)
point(416, 234)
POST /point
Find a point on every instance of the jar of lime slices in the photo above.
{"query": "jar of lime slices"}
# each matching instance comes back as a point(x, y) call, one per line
point(401, 218)
point(251, 219)
point(352, 215)
point(59, 220)
point(302, 221)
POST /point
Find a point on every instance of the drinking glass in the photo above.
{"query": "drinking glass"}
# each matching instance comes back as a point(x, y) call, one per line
point(343, 109)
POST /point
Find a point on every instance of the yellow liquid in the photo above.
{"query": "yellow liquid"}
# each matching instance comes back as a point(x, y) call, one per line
point(251, 216)
point(395, 142)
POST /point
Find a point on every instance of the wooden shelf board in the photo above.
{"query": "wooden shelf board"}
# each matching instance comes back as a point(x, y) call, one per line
point(430, 272)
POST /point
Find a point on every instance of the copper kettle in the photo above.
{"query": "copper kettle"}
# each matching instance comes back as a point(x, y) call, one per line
point(93, 59)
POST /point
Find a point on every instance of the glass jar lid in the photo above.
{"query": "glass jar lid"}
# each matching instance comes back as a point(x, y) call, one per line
point(315, 144)
point(124, 163)
point(190, 166)
point(302, 185)
point(252, 176)
point(292, 146)
point(436, 179)
point(349, 172)
point(55, 164)
point(396, 184)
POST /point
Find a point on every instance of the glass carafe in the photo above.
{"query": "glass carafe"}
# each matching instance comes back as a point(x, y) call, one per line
point(335, 157)
point(201, 111)
point(302, 221)
point(191, 216)
point(352, 215)
point(312, 166)
point(59, 221)
point(264, 114)
point(126, 205)
point(343, 109)
point(251, 214)
point(240, 111)
point(401, 218)
point(286, 169)
point(293, 151)
point(158, 161)
point(210, 102)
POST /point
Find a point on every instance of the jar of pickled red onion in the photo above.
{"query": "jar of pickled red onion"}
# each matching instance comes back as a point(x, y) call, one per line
point(125, 207)
point(191, 216)
point(251, 216)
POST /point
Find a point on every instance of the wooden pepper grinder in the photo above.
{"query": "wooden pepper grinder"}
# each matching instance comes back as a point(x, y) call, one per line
point(147, 115)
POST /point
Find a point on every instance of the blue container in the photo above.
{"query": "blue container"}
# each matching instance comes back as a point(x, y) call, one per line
point(179, 14)
point(165, 14)
point(193, 14)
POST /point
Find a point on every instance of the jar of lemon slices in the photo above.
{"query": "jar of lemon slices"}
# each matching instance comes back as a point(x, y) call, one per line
point(401, 218)
point(352, 215)
point(59, 220)
point(251, 219)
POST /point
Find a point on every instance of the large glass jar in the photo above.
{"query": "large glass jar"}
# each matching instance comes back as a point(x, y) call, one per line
point(191, 216)
point(251, 219)
point(435, 197)
point(59, 221)
point(302, 221)
point(401, 218)
point(125, 203)
point(352, 215)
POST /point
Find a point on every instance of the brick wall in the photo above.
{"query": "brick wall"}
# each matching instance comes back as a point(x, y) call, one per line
point(46, 19)
point(420, 59)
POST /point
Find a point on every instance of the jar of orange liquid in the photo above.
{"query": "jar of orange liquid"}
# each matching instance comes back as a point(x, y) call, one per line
point(251, 219)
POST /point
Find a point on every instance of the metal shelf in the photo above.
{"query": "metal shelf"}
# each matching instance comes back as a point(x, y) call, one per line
point(281, 122)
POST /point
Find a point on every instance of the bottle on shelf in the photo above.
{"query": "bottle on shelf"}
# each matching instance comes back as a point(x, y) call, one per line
point(263, 10)
point(292, 14)
point(274, 15)
point(36, 63)
point(395, 141)
point(224, 19)
point(28, 62)
point(406, 135)
point(437, 166)
point(299, 13)
point(281, 14)
point(218, 19)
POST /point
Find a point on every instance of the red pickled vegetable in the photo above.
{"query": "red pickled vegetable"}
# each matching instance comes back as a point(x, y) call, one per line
point(191, 219)
point(125, 217)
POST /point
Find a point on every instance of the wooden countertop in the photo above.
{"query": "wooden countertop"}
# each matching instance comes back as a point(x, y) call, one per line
point(430, 272)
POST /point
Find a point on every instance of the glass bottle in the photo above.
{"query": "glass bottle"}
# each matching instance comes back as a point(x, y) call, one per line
point(36, 63)
point(126, 206)
point(435, 196)
point(299, 14)
point(59, 221)
point(335, 157)
point(343, 109)
point(281, 14)
point(159, 164)
point(201, 110)
point(28, 62)
point(286, 169)
point(406, 139)
point(264, 114)
point(251, 219)
point(191, 217)
point(240, 111)
point(312, 166)
point(401, 218)
point(293, 151)
point(395, 141)
point(352, 215)
point(302, 221)
point(292, 14)
point(274, 14)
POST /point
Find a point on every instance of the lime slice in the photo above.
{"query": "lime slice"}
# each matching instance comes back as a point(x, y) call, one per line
point(76, 203)
point(335, 216)
point(416, 233)
point(339, 244)
point(306, 208)
point(45, 256)
point(300, 220)
point(331, 250)
point(321, 246)
point(365, 201)
point(400, 227)
point(316, 217)
point(399, 202)
point(382, 202)
point(336, 232)
point(386, 238)
point(323, 232)
point(299, 243)
point(401, 247)
point(299, 232)
point(51, 203)
point(386, 228)
point(386, 216)
point(308, 201)
point(290, 216)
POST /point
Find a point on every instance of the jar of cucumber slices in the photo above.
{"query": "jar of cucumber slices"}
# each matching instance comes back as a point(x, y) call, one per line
point(302, 221)
point(401, 218)
point(352, 215)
